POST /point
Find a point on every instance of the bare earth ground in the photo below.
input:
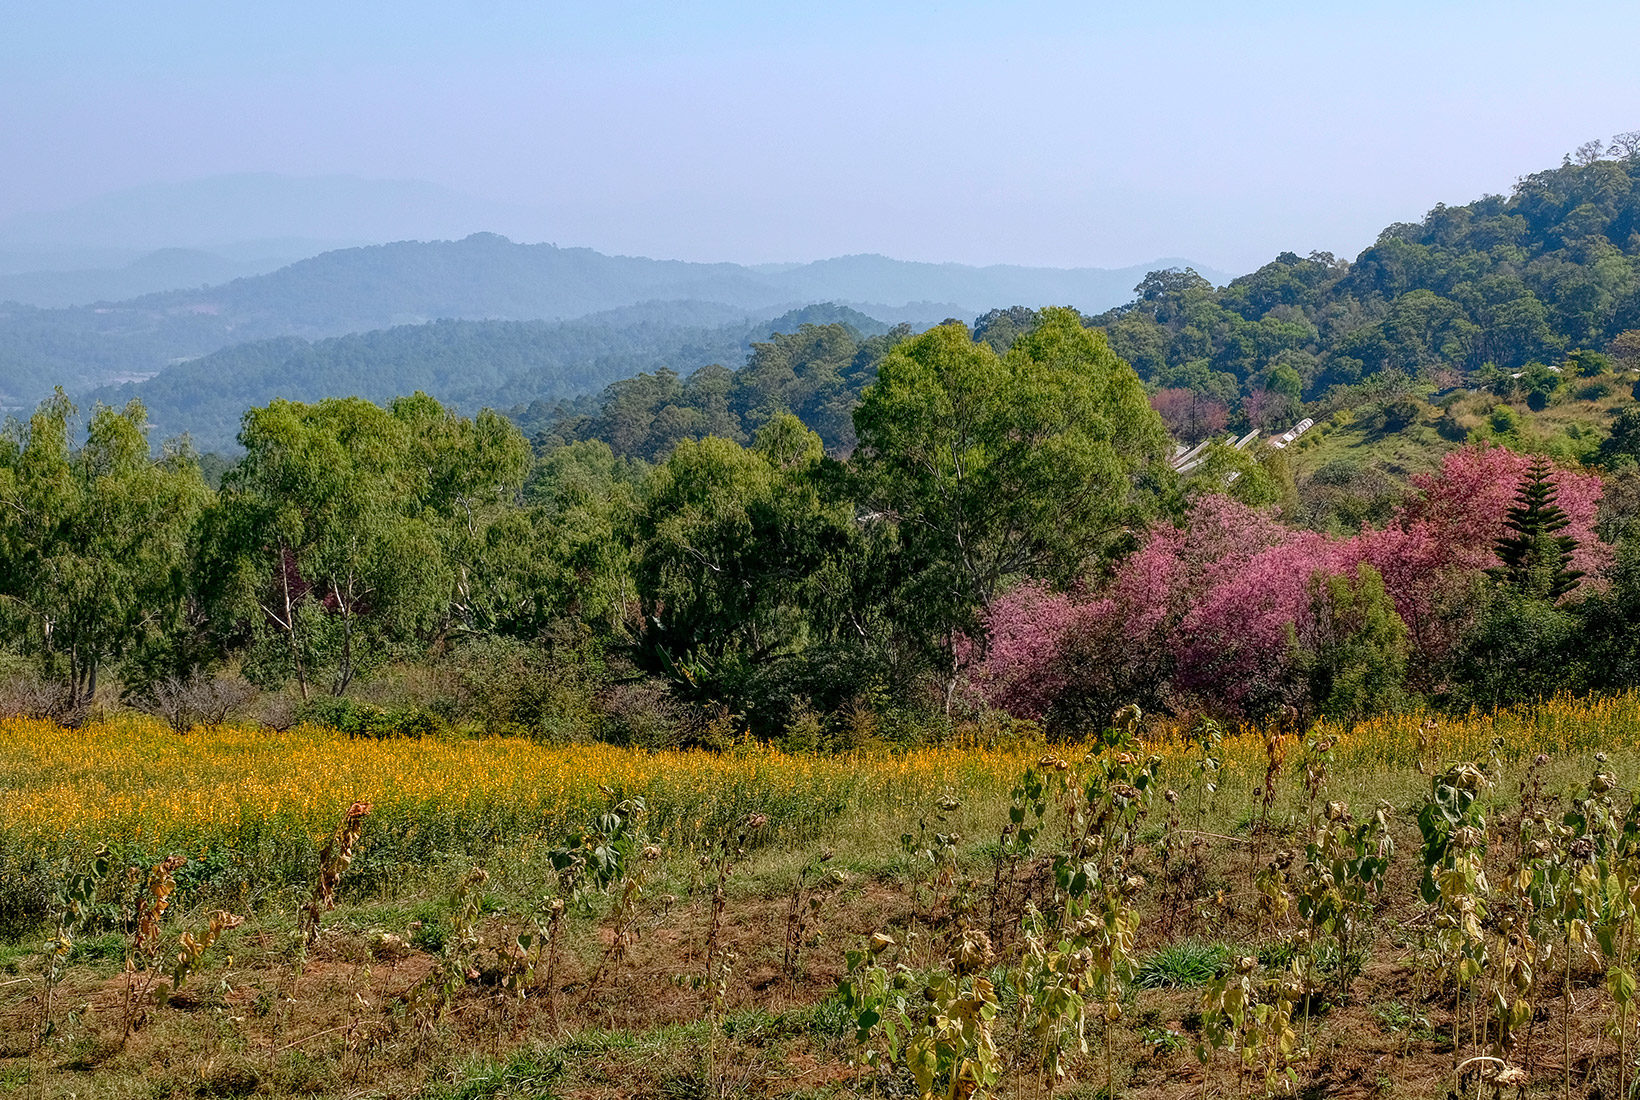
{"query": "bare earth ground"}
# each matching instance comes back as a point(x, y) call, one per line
point(263, 1020)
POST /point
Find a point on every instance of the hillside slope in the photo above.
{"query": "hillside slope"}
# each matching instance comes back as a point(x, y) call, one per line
point(481, 277)
point(469, 364)
point(1552, 268)
point(165, 269)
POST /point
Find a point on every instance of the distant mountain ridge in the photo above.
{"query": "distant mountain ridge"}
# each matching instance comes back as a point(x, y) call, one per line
point(151, 273)
point(469, 364)
point(486, 277)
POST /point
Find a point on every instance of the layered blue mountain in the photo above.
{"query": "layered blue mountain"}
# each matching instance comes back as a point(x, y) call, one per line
point(487, 277)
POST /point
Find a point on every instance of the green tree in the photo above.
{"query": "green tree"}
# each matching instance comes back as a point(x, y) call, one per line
point(1532, 557)
point(1001, 327)
point(733, 544)
point(1607, 624)
point(1623, 441)
point(465, 479)
point(1258, 478)
point(567, 555)
point(1584, 363)
point(94, 541)
point(808, 373)
point(992, 467)
point(351, 530)
point(1540, 383)
point(1354, 652)
point(1521, 649)
point(1284, 380)
point(1625, 348)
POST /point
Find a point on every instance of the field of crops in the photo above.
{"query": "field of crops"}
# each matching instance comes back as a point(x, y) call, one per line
point(135, 781)
point(1182, 908)
point(262, 801)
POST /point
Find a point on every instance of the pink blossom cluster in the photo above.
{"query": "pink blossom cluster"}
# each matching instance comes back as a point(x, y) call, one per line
point(1213, 607)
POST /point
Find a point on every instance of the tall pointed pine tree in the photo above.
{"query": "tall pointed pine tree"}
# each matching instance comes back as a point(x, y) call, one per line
point(1532, 556)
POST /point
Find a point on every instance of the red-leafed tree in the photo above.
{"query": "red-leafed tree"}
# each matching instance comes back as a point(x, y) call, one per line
point(1465, 507)
point(1227, 608)
point(1190, 416)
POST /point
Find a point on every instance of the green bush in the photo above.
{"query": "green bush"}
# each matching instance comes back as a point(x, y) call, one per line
point(359, 719)
point(545, 692)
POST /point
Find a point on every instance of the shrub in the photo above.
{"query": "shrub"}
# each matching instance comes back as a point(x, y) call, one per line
point(545, 692)
point(277, 710)
point(357, 719)
point(805, 732)
point(26, 695)
point(641, 714)
point(197, 699)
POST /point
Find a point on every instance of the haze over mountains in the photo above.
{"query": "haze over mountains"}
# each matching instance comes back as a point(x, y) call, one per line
point(295, 216)
point(221, 281)
point(259, 220)
point(109, 277)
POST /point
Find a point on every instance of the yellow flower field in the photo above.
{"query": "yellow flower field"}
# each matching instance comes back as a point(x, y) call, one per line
point(1400, 741)
point(134, 779)
point(261, 799)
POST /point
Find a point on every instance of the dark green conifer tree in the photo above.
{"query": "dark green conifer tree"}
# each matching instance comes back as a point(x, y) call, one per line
point(1532, 557)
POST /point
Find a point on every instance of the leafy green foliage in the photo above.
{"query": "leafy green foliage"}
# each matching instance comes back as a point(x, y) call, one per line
point(347, 527)
point(1355, 652)
point(736, 550)
point(816, 372)
point(94, 541)
point(1519, 282)
point(991, 467)
point(1520, 649)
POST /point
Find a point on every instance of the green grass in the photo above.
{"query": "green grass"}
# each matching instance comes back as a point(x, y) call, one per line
point(1184, 965)
point(1420, 445)
point(530, 1072)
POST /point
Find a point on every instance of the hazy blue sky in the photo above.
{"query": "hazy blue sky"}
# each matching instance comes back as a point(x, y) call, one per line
point(1050, 133)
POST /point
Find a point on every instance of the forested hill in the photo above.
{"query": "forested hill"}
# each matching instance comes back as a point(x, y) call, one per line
point(471, 364)
point(488, 276)
point(1499, 294)
point(1510, 281)
point(1509, 297)
point(482, 277)
point(816, 371)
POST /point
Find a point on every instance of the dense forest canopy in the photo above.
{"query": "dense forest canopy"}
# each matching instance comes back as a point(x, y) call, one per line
point(816, 373)
point(864, 531)
point(1506, 282)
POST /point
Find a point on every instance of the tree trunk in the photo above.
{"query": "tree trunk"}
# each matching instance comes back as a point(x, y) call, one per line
point(344, 673)
point(76, 678)
point(290, 622)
